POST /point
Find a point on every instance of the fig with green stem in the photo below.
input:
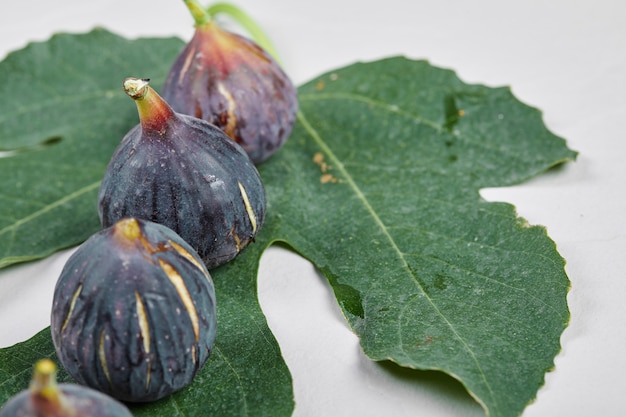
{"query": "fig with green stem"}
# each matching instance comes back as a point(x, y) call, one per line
point(234, 83)
point(185, 173)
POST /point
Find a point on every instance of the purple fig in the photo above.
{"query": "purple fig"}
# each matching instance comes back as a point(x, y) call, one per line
point(186, 174)
point(133, 312)
point(232, 82)
point(46, 398)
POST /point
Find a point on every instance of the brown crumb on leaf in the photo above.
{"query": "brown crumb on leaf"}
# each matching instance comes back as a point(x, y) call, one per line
point(326, 177)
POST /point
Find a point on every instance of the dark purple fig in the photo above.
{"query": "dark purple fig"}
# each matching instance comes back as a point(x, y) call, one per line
point(133, 312)
point(233, 83)
point(46, 398)
point(185, 173)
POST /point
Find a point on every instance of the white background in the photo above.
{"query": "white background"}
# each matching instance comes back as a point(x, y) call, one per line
point(566, 57)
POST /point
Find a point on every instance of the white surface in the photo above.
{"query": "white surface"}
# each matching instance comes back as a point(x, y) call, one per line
point(566, 57)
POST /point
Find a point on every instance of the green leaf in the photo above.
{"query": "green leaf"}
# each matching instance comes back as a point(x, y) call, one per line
point(62, 114)
point(378, 186)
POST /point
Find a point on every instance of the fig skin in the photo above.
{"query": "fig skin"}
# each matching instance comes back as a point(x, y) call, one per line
point(133, 312)
point(232, 82)
point(46, 398)
point(185, 173)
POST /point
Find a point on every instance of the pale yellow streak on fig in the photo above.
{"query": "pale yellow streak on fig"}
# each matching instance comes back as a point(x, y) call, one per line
point(144, 327)
point(148, 374)
point(186, 65)
point(185, 253)
point(193, 354)
point(229, 129)
point(102, 357)
point(72, 305)
point(246, 202)
point(183, 292)
point(237, 241)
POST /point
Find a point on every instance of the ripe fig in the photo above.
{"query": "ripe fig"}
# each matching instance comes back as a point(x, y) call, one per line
point(133, 312)
point(46, 398)
point(185, 173)
point(233, 83)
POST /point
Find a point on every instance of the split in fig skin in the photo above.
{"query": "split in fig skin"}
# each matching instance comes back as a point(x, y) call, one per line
point(233, 83)
point(134, 312)
point(186, 174)
point(46, 398)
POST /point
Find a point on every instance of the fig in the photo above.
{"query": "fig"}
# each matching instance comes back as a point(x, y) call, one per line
point(186, 174)
point(232, 82)
point(46, 398)
point(133, 312)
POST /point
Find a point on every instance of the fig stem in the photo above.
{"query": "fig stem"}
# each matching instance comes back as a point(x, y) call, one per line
point(256, 33)
point(129, 227)
point(46, 395)
point(136, 88)
point(154, 112)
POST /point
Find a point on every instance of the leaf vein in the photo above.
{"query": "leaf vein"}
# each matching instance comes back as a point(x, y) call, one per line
point(440, 129)
point(239, 383)
point(367, 100)
point(54, 102)
point(380, 224)
point(492, 280)
point(48, 207)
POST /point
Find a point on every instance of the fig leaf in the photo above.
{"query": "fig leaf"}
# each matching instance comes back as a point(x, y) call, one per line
point(378, 186)
point(62, 113)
